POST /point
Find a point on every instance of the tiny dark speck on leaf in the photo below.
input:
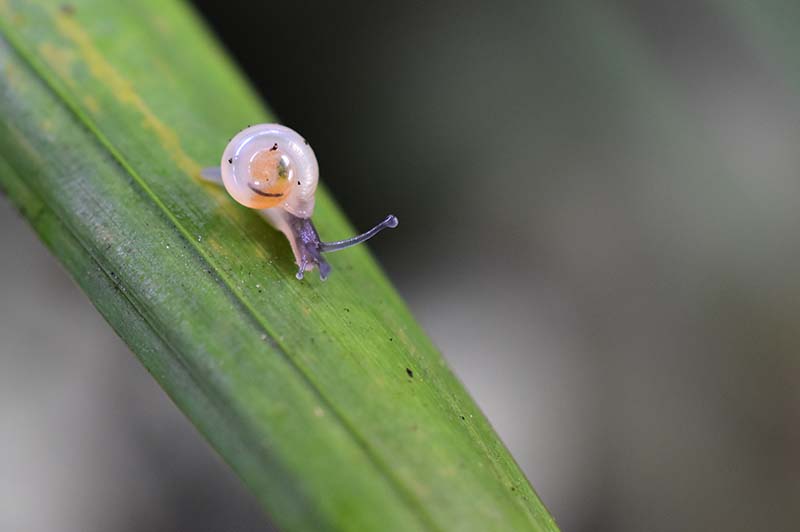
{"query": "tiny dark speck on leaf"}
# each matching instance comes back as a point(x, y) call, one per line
point(391, 339)
point(410, 373)
point(513, 488)
point(68, 9)
point(346, 309)
point(463, 418)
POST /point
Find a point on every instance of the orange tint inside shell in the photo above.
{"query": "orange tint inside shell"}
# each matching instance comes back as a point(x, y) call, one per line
point(271, 177)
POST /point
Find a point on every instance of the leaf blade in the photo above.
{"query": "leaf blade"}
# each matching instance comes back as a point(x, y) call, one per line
point(335, 356)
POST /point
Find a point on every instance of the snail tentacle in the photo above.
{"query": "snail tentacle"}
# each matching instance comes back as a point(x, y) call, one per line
point(389, 222)
point(212, 174)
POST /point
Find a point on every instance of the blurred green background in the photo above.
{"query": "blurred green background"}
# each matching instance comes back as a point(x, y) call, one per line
point(599, 204)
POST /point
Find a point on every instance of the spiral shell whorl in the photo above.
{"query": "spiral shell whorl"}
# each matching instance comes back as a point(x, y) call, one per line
point(270, 165)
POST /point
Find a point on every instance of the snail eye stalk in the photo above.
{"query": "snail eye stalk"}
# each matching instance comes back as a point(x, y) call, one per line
point(390, 222)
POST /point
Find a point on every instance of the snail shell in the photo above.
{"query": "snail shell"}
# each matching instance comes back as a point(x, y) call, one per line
point(270, 165)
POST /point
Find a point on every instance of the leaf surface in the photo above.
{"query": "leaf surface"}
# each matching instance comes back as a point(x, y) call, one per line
point(109, 111)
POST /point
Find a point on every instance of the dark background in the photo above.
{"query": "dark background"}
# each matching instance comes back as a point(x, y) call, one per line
point(599, 212)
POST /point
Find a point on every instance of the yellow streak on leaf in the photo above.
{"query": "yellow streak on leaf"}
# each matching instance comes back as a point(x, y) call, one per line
point(11, 73)
point(12, 17)
point(60, 59)
point(25, 143)
point(125, 93)
point(91, 103)
point(161, 25)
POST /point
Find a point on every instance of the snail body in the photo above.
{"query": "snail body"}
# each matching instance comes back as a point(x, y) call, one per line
point(270, 167)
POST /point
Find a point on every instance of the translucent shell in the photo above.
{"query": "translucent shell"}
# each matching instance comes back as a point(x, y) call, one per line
point(270, 165)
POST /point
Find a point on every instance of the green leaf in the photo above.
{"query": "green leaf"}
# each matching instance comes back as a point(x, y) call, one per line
point(109, 111)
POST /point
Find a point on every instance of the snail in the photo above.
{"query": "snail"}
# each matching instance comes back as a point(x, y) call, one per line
point(272, 168)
